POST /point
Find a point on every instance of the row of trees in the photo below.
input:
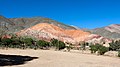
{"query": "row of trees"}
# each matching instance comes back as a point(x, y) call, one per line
point(26, 42)
point(100, 49)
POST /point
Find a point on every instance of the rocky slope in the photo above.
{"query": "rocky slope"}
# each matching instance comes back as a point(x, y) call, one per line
point(28, 22)
point(48, 31)
point(113, 28)
point(17, 24)
point(111, 31)
point(5, 24)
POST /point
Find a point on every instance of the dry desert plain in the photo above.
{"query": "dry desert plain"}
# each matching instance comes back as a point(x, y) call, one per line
point(51, 58)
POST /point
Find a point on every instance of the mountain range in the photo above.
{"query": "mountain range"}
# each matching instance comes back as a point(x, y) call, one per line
point(45, 28)
point(17, 24)
point(112, 31)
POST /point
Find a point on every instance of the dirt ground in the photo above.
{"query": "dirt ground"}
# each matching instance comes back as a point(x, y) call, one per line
point(50, 58)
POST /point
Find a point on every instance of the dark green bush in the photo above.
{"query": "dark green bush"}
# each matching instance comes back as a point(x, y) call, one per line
point(42, 44)
point(102, 50)
point(94, 48)
point(61, 45)
point(54, 42)
point(57, 44)
point(6, 41)
point(97, 47)
point(15, 43)
point(28, 41)
point(114, 45)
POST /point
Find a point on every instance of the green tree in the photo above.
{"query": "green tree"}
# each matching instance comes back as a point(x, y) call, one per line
point(42, 44)
point(58, 44)
point(98, 47)
point(102, 50)
point(16, 43)
point(114, 45)
point(61, 45)
point(94, 48)
point(54, 42)
point(6, 42)
point(28, 41)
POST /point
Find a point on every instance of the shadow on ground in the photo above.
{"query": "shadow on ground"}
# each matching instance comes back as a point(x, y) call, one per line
point(9, 60)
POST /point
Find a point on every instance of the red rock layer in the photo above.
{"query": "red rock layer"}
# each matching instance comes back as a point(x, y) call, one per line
point(48, 31)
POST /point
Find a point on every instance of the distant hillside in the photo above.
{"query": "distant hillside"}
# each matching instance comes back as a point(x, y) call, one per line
point(17, 24)
point(28, 22)
point(6, 25)
point(111, 31)
point(47, 31)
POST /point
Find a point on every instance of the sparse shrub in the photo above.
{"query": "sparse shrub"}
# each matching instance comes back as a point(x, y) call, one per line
point(68, 47)
point(83, 45)
point(118, 53)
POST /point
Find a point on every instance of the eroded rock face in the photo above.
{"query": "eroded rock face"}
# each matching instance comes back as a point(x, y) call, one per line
point(49, 31)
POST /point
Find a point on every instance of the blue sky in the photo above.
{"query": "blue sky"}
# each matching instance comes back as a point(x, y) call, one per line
point(82, 13)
